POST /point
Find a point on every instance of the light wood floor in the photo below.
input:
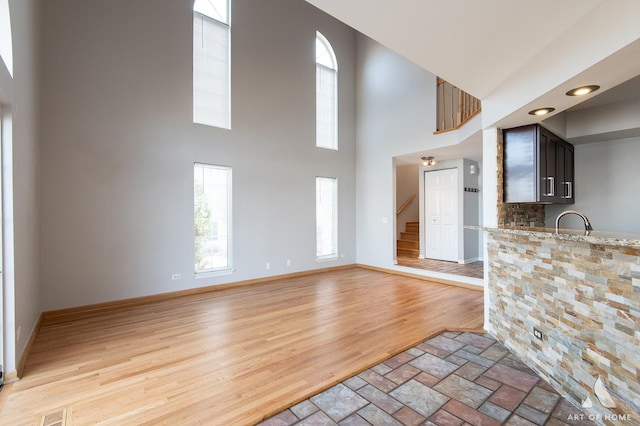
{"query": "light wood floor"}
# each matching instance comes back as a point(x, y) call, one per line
point(230, 357)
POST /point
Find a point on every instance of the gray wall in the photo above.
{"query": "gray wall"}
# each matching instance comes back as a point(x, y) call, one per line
point(395, 116)
point(607, 187)
point(471, 212)
point(119, 145)
point(21, 97)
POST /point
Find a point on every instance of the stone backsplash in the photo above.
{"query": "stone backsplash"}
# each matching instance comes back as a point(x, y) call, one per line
point(585, 298)
point(531, 215)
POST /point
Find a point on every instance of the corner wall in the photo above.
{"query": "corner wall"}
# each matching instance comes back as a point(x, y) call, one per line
point(119, 146)
point(395, 116)
point(21, 170)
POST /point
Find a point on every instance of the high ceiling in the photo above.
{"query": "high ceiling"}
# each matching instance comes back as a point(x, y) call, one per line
point(473, 44)
point(513, 55)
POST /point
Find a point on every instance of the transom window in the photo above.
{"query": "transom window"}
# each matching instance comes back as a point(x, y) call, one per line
point(212, 63)
point(215, 9)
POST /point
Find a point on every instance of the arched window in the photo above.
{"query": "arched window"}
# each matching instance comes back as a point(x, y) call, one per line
point(212, 63)
point(326, 94)
point(6, 51)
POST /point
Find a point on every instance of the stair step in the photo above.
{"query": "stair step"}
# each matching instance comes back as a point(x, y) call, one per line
point(412, 227)
point(408, 244)
point(408, 252)
point(412, 236)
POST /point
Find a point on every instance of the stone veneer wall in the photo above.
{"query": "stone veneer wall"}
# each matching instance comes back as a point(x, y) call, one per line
point(521, 215)
point(585, 298)
point(515, 214)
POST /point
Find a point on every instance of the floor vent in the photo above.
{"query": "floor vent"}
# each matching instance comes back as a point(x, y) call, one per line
point(59, 418)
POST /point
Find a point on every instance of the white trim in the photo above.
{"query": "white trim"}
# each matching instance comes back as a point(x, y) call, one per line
point(216, 273)
point(327, 258)
point(327, 45)
point(10, 342)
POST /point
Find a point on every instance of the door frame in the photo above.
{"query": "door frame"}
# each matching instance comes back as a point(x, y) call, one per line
point(452, 255)
point(8, 331)
point(5, 134)
point(442, 165)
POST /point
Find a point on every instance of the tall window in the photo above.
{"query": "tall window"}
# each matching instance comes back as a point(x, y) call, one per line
point(326, 217)
point(6, 50)
point(212, 217)
point(326, 94)
point(212, 63)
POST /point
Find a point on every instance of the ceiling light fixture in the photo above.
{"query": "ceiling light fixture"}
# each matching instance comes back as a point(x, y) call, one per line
point(428, 161)
point(582, 90)
point(542, 111)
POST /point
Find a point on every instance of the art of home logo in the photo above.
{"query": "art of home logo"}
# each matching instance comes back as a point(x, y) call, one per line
point(605, 399)
point(600, 417)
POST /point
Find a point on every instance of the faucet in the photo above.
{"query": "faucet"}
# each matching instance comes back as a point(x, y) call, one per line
point(587, 225)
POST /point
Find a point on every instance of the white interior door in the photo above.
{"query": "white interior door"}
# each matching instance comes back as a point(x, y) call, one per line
point(441, 211)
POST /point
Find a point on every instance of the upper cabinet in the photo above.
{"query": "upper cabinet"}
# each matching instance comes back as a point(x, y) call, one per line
point(538, 166)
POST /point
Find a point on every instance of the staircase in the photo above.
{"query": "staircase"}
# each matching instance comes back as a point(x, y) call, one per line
point(409, 243)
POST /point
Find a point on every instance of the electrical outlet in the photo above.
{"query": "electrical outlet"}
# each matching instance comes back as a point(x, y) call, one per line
point(268, 266)
point(175, 277)
point(288, 262)
point(538, 333)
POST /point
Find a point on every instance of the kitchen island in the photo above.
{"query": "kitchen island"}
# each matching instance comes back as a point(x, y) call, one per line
point(581, 291)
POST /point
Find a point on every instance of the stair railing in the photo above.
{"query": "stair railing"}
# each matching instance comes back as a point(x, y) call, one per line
point(405, 204)
point(455, 107)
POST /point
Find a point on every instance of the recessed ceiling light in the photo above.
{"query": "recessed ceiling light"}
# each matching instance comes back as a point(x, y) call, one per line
point(542, 111)
point(582, 90)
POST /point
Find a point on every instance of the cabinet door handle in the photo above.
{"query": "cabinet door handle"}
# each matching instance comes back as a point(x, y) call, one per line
point(569, 189)
point(551, 186)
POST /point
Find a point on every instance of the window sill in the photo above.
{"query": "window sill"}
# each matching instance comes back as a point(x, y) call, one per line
point(209, 274)
point(327, 258)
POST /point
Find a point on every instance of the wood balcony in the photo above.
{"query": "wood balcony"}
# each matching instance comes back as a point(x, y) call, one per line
point(455, 107)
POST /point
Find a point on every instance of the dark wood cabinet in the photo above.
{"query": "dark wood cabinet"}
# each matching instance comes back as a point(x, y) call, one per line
point(565, 172)
point(538, 166)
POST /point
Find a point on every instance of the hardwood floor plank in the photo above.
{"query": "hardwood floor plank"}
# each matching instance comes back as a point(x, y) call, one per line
point(233, 356)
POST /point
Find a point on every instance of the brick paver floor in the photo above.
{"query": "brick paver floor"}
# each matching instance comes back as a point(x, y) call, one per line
point(453, 379)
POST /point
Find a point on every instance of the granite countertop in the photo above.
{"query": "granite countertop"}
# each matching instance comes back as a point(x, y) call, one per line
point(593, 237)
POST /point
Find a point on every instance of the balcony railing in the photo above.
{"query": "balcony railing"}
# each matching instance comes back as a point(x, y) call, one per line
point(455, 107)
